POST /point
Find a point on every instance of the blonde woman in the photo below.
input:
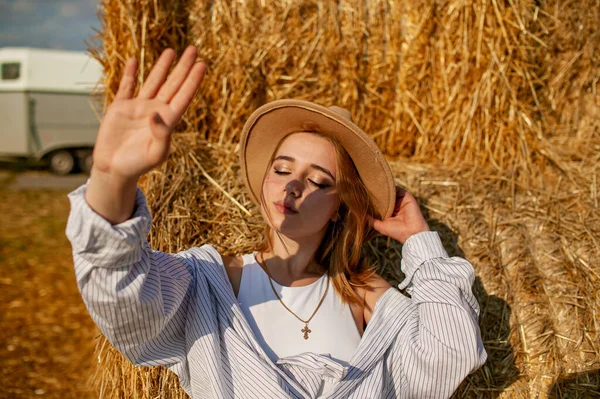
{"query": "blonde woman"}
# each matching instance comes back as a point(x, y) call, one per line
point(303, 316)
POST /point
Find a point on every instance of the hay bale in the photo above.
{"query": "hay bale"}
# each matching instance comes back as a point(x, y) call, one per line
point(492, 84)
point(488, 111)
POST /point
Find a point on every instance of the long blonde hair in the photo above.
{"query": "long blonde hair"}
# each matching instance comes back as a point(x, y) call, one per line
point(340, 249)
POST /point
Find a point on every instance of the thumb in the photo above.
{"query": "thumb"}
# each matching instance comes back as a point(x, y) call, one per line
point(159, 128)
point(376, 224)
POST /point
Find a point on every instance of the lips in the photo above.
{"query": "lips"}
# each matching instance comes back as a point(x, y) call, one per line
point(287, 209)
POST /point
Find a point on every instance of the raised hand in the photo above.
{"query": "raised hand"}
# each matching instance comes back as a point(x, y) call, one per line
point(135, 133)
point(405, 221)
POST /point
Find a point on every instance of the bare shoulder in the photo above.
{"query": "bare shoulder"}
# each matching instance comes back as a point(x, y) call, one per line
point(233, 267)
point(377, 285)
point(234, 262)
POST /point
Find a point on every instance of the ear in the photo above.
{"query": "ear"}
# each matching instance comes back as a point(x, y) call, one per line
point(335, 217)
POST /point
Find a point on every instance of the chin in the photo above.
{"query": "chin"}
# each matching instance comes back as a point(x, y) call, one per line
point(287, 230)
point(294, 231)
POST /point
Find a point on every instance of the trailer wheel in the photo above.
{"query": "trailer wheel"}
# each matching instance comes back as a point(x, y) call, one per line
point(62, 162)
point(84, 161)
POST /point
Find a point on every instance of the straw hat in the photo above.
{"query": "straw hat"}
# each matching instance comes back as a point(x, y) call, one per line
point(269, 124)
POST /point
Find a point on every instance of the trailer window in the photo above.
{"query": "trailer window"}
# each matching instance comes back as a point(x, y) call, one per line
point(11, 71)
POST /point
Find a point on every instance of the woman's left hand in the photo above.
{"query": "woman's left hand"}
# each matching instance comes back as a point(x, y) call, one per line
point(406, 220)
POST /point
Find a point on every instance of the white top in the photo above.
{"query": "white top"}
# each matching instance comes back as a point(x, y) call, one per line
point(333, 330)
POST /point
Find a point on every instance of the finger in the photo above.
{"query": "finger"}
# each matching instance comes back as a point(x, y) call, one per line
point(157, 74)
point(160, 130)
point(400, 195)
point(377, 225)
point(177, 77)
point(399, 202)
point(127, 84)
point(159, 148)
point(186, 93)
point(371, 220)
point(410, 197)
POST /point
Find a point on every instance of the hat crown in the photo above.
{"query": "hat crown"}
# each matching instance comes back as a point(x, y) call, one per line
point(343, 112)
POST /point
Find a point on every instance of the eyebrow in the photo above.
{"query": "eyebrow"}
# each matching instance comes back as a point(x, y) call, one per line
point(312, 165)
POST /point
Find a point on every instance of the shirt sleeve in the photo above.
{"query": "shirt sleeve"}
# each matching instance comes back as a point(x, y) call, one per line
point(138, 297)
point(442, 342)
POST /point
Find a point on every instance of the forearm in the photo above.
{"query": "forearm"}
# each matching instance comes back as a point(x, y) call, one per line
point(141, 308)
point(448, 312)
point(136, 296)
point(442, 344)
point(110, 196)
point(440, 286)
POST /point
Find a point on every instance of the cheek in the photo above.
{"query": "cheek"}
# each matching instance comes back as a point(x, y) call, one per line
point(269, 186)
point(270, 193)
point(323, 206)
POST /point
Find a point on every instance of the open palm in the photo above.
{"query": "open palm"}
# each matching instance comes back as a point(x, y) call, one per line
point(135, 133)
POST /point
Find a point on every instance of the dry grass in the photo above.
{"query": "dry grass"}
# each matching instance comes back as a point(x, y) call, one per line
point(47, 340)
point(488, 111)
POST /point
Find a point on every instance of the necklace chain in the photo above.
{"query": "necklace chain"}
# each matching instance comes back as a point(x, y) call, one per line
point(305, 330)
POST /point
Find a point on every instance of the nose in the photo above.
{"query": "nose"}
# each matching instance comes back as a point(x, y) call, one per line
point(294, 187)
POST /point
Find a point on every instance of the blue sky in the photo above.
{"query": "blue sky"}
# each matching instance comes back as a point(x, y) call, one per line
point(48, 23)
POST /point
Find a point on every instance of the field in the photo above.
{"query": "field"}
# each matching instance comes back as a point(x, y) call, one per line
point(47, 340)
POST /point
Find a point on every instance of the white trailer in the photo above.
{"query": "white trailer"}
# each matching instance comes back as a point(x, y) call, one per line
point(46, 108)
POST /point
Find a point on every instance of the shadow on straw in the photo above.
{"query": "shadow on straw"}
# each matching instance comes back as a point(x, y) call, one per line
point(577, 385)
point(500, 370)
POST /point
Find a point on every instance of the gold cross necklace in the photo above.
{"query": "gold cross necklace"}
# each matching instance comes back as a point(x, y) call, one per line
point(305, 330)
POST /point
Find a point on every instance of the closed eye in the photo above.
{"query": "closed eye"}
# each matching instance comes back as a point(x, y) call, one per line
point(319, 185)
point(282, 172)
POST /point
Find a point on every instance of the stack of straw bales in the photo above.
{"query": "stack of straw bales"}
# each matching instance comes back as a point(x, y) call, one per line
point(488, 111)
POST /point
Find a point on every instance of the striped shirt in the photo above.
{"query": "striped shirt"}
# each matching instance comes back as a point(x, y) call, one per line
point(180, 311)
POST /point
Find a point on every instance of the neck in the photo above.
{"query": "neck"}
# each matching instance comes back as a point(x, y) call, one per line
point(293, 258)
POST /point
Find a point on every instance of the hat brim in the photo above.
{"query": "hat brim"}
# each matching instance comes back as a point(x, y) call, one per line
point(272, 122)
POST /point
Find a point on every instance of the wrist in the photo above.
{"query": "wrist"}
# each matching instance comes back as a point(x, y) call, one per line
point(111, 196)
point(415, 232)
point(111, 178)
